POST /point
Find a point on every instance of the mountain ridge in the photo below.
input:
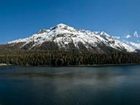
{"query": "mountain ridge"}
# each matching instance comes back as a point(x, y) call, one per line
point(66, 37)
point(135, 37)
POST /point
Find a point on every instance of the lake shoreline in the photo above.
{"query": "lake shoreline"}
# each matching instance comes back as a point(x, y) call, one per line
point(103, 65)
point(4, 64)
point(96, 65)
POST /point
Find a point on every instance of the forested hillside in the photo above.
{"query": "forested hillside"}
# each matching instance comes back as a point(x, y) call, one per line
point(63, 45)
point(64, 58)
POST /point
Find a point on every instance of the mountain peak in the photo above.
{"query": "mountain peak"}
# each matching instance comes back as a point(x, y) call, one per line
point(62, 25)
point(135, 35)
point(67, 37)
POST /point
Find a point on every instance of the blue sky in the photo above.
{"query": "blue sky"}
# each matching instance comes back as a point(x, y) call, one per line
point(21, 18)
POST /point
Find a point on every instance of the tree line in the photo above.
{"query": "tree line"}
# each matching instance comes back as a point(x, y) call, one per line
point(64, 58)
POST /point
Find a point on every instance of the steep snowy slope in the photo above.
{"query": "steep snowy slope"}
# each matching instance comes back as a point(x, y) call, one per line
point(65, 37)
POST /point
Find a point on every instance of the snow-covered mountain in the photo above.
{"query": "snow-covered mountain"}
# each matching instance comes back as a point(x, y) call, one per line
point(133, 37)
point(68, 38)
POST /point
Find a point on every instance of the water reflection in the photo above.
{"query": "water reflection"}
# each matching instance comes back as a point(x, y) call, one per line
point(70, 86)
